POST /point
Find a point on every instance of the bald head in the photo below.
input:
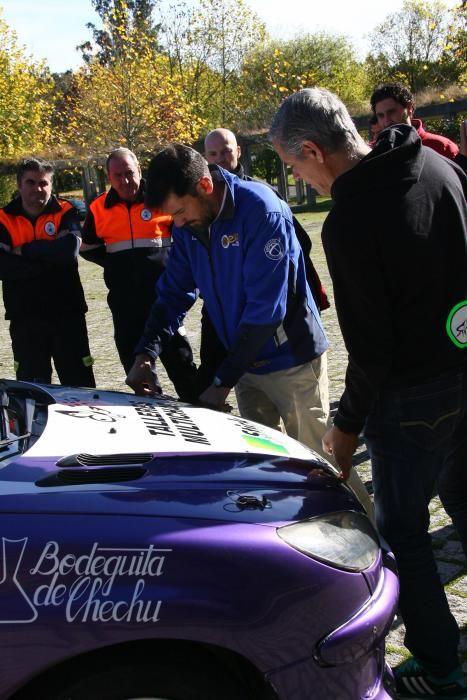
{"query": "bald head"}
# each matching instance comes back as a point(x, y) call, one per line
point(221, 148)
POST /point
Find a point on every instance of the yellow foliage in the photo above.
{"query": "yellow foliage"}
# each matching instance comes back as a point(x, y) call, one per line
point(132, 101)
point(26, 102)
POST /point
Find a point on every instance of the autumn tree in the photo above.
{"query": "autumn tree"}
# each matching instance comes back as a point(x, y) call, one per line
point(129, 100)
point(410, 44)
point(206, 44)
point(455, 48)
point(25, 99)
point(119, 18)
point(279, 68)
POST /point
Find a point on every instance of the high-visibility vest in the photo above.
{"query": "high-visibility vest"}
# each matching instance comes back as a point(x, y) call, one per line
point(45, 227)
point(123, 227)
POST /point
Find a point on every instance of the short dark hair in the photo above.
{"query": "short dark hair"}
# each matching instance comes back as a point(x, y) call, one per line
point(35, 164)
point(174, 170)
point(396, 91)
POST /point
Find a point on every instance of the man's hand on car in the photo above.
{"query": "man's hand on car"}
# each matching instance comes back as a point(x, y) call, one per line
point(142, 377)
point(215, 396)
point(341, 446)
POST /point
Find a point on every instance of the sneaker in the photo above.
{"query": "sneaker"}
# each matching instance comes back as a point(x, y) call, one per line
point(413, 681)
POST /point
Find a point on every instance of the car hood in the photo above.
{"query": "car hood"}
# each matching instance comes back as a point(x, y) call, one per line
point(108, 452)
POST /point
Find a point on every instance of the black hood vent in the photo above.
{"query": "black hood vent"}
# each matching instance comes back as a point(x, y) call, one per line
point(87, 460)
point(106, 475)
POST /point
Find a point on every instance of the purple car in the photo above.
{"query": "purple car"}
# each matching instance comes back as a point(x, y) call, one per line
point(152, 549)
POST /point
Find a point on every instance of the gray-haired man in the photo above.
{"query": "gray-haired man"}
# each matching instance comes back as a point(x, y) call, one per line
point(396, 246)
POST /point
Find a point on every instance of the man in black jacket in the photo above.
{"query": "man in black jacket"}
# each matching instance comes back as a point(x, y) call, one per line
point(42, 292)
point(396, 246)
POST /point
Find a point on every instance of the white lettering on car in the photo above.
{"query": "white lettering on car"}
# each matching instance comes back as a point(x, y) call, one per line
point(84, 584)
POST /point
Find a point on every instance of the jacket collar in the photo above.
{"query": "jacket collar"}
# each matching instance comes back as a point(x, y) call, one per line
point(396, 161)
point(15, 207)
point(218, 174)
point(418, 126)
point(240, 171)
point(112, 197)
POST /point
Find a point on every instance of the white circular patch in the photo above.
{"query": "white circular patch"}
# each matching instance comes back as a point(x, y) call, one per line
point(456, 325)
point(225, 241)
point(49, 228)
point(146, 214)
point(274, 249)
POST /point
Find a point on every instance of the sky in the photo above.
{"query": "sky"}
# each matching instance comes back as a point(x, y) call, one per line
point(51, 29)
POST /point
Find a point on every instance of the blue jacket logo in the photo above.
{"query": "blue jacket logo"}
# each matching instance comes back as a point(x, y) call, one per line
point(274, 249)
point(146, 215)
point(49, 228)
point(229, 239)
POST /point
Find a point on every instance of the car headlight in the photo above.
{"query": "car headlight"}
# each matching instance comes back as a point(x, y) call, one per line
point(346, 539)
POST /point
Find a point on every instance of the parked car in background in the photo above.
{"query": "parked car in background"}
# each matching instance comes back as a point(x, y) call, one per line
point(79, 204)
point(152, 549)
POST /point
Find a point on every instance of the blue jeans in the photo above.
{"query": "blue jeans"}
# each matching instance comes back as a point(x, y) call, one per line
point(417, 441)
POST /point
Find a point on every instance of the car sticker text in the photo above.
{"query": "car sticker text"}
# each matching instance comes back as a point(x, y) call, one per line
point(163, 422)
point(83, 585)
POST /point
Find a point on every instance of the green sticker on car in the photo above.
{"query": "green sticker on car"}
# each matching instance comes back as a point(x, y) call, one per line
point(265, 444)
point(456, 325)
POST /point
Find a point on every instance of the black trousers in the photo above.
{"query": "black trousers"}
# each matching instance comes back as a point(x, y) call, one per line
point(177, 358)
point(38, 340)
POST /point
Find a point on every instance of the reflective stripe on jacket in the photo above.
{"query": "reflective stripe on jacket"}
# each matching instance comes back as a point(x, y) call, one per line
point(122, 226)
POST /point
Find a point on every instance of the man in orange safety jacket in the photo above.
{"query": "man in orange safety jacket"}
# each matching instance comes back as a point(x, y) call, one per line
point(42, 292)
point(132, 242)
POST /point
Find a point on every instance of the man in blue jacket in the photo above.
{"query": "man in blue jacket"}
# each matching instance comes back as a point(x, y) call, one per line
point(234, 242)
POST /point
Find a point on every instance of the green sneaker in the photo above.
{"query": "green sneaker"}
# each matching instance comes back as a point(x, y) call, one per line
point(413, 681)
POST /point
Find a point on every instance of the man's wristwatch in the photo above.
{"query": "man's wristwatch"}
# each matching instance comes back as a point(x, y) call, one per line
point(217, 381)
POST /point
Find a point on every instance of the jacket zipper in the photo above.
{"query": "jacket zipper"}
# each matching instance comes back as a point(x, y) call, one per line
point(214, 285)
point(128, 207)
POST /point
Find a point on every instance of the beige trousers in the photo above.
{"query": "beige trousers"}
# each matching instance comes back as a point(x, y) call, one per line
point(295, 400)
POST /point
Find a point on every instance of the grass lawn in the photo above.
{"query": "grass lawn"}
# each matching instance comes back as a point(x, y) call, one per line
point(316, 215)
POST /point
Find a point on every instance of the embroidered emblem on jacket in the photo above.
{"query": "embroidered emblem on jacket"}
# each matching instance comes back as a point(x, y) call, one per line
point(274, 249)
point(146, 215)
point(49, 228)
point(229, 239)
